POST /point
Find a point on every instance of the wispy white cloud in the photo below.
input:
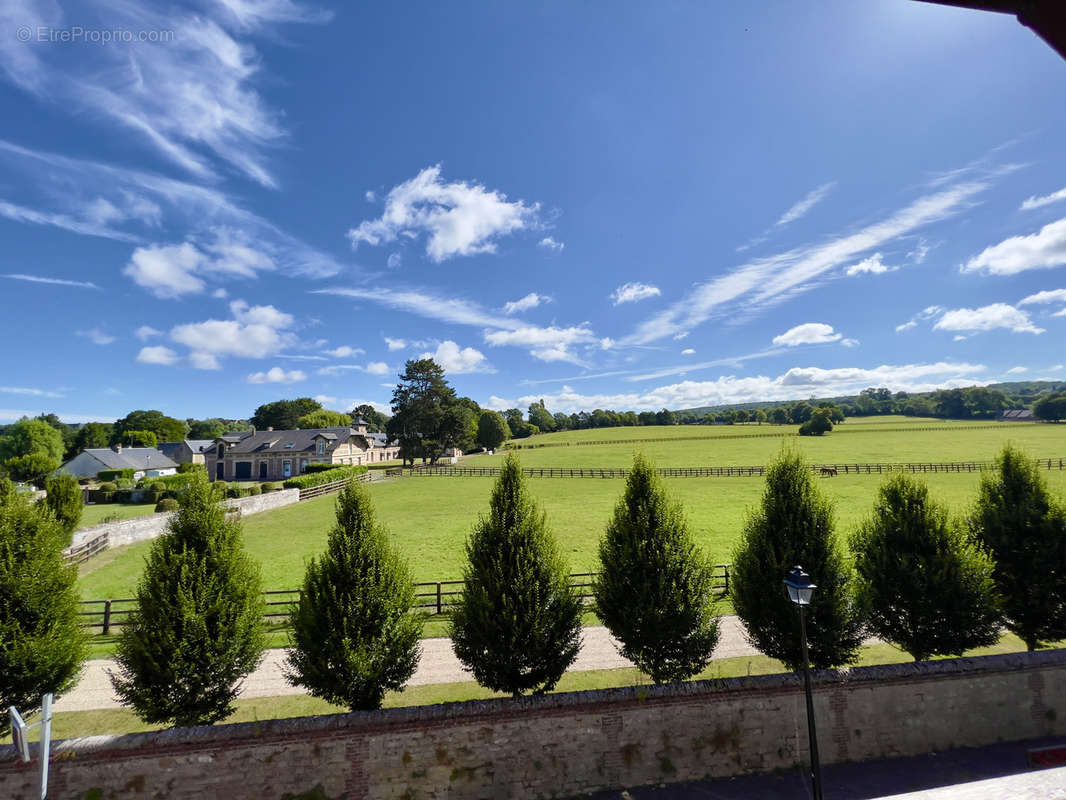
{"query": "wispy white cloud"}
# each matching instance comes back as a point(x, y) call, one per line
point(17, 276)
point(548, 243)
point(457, 218)
point(813, 198)
point(67, 222)
point(808, 333)
point(189, 94)
point(372, 368)
point(796, 382)
point(634, 292)
point(146, 332)
point(97, 336)
point(906, 326)
point(277, 375)
point(1045, 200)
point(531, 300)
point(29, 392)
point(762, 282)
point(458, 360)
point(344, 351)
point(546, 344)
point(1017, 370)
point(688, 351)
point(1041, 250)
point(986, 318)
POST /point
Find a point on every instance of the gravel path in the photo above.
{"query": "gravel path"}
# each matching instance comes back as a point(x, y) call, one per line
point(437, 665)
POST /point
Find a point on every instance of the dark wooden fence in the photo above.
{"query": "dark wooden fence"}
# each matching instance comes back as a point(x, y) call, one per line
point(432, 598)
point(87, 549)
point(728, 472)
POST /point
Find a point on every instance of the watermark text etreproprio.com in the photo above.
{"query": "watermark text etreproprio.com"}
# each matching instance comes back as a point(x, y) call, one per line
point(76, 34)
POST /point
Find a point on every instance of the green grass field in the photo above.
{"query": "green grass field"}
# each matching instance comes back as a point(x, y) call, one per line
point(95, 514)
point(889, 439)
point(430, 517)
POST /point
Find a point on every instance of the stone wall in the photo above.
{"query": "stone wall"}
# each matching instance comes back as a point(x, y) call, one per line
point(569, 744)
point(138, 529)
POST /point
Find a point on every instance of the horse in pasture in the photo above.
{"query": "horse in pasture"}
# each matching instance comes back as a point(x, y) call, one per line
point(829, 472)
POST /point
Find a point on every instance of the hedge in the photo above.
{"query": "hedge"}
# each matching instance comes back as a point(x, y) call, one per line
point(107, 475)
point(319, 467)
point(319, 478)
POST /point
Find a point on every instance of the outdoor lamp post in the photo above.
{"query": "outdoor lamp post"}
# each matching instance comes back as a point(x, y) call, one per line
point(800, 590)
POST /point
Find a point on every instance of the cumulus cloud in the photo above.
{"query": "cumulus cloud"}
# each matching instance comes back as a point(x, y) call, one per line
point(634, 292)
point(808, 333)
point(531, 300)
point(547, 344)
point(1045, 200)
point(800, 209)
point(457, 218)
point(458, 360)
point(796, 382)
point(850, 342)
point(926, 313)
point(1048, 296)
point(872, 265)
point(254, 332)
point(395, 344)
point(157, 355)
point(1041, 250)
point(146, 332)
point(548, 243)
point(987, 318)
point(277, 375)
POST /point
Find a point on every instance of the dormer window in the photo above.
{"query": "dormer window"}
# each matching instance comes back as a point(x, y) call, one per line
point(321, 447)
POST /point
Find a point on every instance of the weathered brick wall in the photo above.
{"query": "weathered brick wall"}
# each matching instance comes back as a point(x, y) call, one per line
point(568, 744)
point(138, 529)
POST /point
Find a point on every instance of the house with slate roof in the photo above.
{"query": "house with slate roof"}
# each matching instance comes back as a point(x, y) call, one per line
point(144, 461)
point(272, 455)
point(187, 451)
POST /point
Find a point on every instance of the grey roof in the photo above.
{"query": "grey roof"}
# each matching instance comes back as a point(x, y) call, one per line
point(131, 458)
point(380, 439)
point(287, 441)
point(1017, 414)
point(196, 445)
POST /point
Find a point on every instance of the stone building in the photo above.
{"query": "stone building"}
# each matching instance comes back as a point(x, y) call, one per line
point(272, 455)
point(187, 451)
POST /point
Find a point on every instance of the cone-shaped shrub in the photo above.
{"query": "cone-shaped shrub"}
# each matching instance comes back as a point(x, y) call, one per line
point(353, 631)
point(197, 630)
point(41, 641)
point(517, 626)
point(922, 583)
point(64, 498)
point(655, 589)
point(793, 525)
point(1025, 532)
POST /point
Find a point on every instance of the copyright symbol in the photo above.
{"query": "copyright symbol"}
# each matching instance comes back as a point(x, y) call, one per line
point(23, 34)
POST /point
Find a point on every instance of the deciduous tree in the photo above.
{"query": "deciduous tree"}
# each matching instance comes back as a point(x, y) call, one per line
point(492, 430)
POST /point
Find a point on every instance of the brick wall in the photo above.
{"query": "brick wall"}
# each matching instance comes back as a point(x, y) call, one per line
point(568, 744)
point(138, 529)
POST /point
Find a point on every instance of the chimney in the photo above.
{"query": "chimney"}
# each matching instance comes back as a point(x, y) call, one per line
point(253, 430)
point(269, 428)
point(117, 447)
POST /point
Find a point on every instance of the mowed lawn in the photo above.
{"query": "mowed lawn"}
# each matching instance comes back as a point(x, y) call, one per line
point(430, 518)
point(893, 440)
point(95, 514)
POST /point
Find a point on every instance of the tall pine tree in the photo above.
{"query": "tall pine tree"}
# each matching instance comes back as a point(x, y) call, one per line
point(517, 626)
point(353, 631)
point(1025, 531)
point(197, 630)
point(41, 640)
point(794, 525)
point(922, 583)
point(655, 590)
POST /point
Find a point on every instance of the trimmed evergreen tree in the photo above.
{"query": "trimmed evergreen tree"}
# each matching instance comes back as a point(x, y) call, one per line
point(794, 525)
point(655, 590)
point(353, 631)
point(41, 640)
point(921, 581)
point(64, 499)
point(517, 626)
point(197, 630)
point(1025, 531)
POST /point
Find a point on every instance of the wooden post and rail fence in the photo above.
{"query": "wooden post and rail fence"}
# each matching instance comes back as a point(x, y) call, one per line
point(431, 598)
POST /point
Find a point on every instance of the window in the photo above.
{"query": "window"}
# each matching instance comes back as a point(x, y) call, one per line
point(286, 469)
point(221, 450)
point(321, 447)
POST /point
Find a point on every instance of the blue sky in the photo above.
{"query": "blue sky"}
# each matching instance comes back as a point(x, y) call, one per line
point(205, 206)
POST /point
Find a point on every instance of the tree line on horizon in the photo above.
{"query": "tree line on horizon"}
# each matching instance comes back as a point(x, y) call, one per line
point(919, 578)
